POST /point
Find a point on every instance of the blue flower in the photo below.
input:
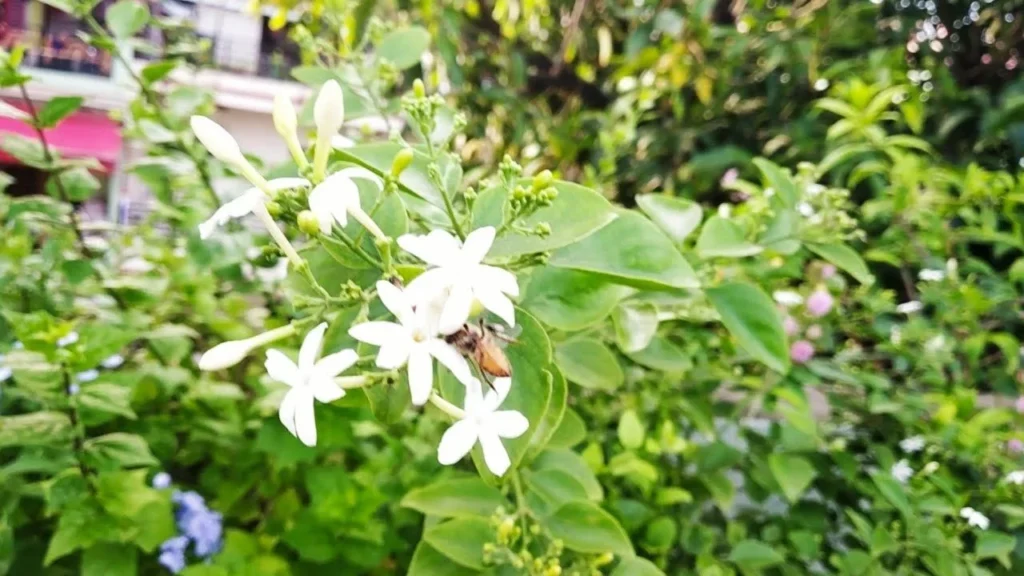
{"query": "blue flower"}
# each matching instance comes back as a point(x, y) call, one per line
point(205, 528)
point(161, 480)
point(188, 501)
point(172, 554)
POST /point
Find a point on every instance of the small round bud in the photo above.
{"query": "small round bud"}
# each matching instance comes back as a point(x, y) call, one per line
point(402, 161)
point(542, 229)
point(603, 559)
point(470, 194)
point(274, 209)
point(419, 89)
point(506, 529)
point(308, 223)
point(553, 571)
point(543, 180)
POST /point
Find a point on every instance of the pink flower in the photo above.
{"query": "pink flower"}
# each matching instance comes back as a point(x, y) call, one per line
point(790, 325)
point(1020, 405)
point(819, 303)
point(814, 332)
point(828, 271)
point(801, 351)
point(1015, 445)
point(730, 176)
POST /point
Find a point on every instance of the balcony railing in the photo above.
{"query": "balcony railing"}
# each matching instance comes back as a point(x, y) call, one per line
point(62, 52)
point(239, 58)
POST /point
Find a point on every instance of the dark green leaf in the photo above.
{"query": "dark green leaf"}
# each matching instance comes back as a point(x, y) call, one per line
point(110, 559)
point(570, 300)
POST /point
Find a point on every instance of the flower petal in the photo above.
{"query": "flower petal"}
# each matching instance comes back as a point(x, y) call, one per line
point(500, 388)
point(396, 301)
point(361, 173)
point(508, 423)
point(305, 421)
point(456, 442)
point(473, 402)
point(378, 333)
point(331, 200)
point(447, 355)
point(438, 248)
point(421, 374)
point(456, 309)
point(282, 369)
point(495, 455)
point(333, 364)
point(496, 302)
point(394, 354)
point(325, 389)
point(286, 411)
point(236, 208)
point(278, 184)
point(499, 278)
point(477, 244)
point(430, 285)
point(310, 349)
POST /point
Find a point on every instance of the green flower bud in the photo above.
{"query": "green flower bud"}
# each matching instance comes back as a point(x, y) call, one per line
point(419, 89)
point(543, 180)
point(308, 223)
point(402, 161)
point(542, 229)
point(603, 559)
point(274, 209)
point(553, 571)
point(506, 530)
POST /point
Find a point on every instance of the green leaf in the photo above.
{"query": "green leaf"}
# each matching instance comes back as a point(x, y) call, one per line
point(779, 180)
point(750, 316)
point(101, 401)
point(556, 487)
point(585, 527)
point(635, 325)
point(893, 492)
point(37, 428)
point(456, 498)
point(110, 559)
point(57, 109)
point(387, 211)
point(754, 555)
point(675, 216)
point(549, 424)
point(782, 232)
point(575, 214)
point(378, 157)
point(404, 47)
point(427, 561)
point(388, 402)
point(631, 251)
point(126, 18)
point(631, 430)
point(119, 450)
point(660, 534)
point(573, 464)
point(571, 431)
point(158, 70)
point(723, 238)
point(721, 488)
point(636, 566)
point(793, 473)
point(569, 300)
point(992, 544)
point(845, 258)
point(462, 540)
point(590, 364)
point(663, 355)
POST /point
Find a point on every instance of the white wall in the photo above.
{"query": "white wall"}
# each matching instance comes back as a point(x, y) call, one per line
point(237, 35)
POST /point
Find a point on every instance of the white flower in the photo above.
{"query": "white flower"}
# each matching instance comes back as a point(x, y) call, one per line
point(483, 423)
point(1016, 477)
point(87, 376)
point(912, 444)
point(895, 335)
point(245, 204)
point(5, 373)
point(930, 467)
point(112, 362)
point(787, 298)
point(910, 307)
point(412, 341)
point(136, 265)
point(274, 274)
point(974, 518)
point(901, 471)
point(805, 209)
point(220, 143)
point(935, 344)
point(458, 277)
point(931, 275)
point(227, 354)
point(329, 108)
point(285, 119)
point(333, 199)
point(310, 380)
point(68, 340)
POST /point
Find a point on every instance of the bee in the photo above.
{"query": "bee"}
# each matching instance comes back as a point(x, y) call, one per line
point(479, 342)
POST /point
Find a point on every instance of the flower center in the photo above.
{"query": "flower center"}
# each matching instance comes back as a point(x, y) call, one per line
point(418, 335)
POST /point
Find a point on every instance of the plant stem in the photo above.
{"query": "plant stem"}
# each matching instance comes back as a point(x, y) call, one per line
point(343, 238)
point(446, 406)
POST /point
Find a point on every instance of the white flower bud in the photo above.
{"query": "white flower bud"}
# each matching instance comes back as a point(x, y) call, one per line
point(329, 109)
point(285, 120)
point(217, 140)
point(225, 355)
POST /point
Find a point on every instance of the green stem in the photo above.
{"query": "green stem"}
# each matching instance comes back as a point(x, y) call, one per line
point(343, 238)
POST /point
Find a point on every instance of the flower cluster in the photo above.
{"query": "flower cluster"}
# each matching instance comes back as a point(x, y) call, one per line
point(427, 313)
point(815, 306)
point(197, 525)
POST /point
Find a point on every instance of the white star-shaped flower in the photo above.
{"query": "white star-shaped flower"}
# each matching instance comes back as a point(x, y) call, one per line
point(1015, 477)
point(901, 471)
point(333, 199)
point(912, 444)
point(483, 423)
point(245, 204)
point(310, 380)
point(458, 278)
point(413, 341)
point(974, 518)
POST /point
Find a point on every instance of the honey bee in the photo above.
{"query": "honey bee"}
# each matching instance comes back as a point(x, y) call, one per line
point(479, 342)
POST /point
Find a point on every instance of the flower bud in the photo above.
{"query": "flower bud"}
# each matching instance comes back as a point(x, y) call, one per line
point(274, 209)
point(819, 303)
point(543, 180)
point(790, 326)
point(419, 89)
point(814, 332)
point(329, 109)
point(309, 223)
point(217, 140)
point(285, 120)
point(801, 351)
point(603, 559)
point(224, 355)
point(542, 229)
point(402, 161)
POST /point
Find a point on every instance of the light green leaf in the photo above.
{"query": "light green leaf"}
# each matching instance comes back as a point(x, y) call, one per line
point(677, 217)
point(721, 488)
point(636, 566)
point(126, 18)
point(36, 428)
point(723, 238)
point(462, 540)
point(992, 544)
point(893, 492)
point(378, 157)
point(585, 527)
point(78, 184)
point(781, 234)
point(590, 364)
point(631, 251)
point(110, 559)
point(57, 109)
point(555, 488)
point(750, 316)
point(754, 555)
point(573, 464)
point(571, 431)
point(119, 450)
point(569, 300)
point(576, 213)
point(427, 561)
point(455, 498)
point(631, 430)
point(635, 325)
point(662, 354)
point(793, 473)
point(845, 258)
point(101, 401)
point(404, 47)
point(779, 180)
point(548, 425)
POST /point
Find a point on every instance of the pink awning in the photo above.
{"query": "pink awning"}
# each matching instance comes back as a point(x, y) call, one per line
point(84, 134)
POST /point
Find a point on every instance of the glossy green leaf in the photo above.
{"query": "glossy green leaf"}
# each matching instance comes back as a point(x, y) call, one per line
point(992, 544)
point(754, 555)
point(635, 325)
point(893, 492)
point(750, 316)
point(462, 540)
point(575, 214)
point(677, 217)
point(378, 157)
point(723, 238)
point(585, 527)
point(404, 47)
point(555, 487)
point(590, 364)
point(570, 300)
point(793, 473)
point(631, 251)
point(845, 258)
point(118, 450)
point(36, 428)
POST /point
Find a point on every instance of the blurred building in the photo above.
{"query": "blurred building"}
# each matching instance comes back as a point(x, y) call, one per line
point(248, 65)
